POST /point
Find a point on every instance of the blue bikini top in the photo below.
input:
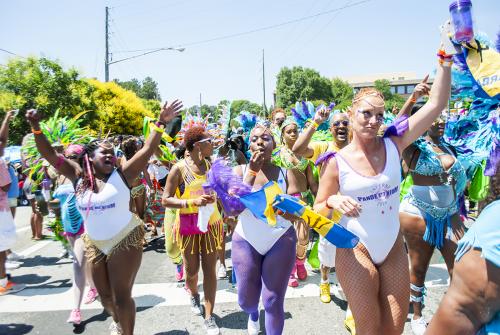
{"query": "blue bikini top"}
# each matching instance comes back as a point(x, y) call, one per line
point(428, 164)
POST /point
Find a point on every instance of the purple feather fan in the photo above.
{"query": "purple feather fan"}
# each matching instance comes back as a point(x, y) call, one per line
point(325, 157)
point(398, 127)
point(228, 186)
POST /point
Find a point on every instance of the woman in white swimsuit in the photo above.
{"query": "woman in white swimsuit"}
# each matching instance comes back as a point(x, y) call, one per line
point(113, 234)
point(362, 182)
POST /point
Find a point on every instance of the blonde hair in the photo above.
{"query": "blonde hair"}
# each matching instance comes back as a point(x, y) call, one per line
point(366, 92)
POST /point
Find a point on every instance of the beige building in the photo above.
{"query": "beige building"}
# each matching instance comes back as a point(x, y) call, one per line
point(402, 83)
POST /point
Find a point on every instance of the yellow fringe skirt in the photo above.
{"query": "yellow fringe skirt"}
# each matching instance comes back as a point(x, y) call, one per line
point(208, 242)
point(130, 237)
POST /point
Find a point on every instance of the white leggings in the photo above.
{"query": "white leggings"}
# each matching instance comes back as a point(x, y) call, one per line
point(79, 264)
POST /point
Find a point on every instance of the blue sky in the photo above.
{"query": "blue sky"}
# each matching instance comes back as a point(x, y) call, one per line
point(377, 36)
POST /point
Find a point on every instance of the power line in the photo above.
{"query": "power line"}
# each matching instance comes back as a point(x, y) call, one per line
point(10, 52)
point(248, 32)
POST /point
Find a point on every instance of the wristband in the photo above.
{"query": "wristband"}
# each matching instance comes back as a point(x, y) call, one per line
point(160, 124)
point(314, 124)
point(327, 205)
point(446, 62)
point(157, 129)
point(36, 132)
point(413, 100)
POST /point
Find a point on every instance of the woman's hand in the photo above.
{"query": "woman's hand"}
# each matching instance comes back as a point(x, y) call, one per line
point(421, 89)
point(170, 110)
point(344, 204)
point(256, 161)
point(321, 115)
point(33, 117)
point(204, 200)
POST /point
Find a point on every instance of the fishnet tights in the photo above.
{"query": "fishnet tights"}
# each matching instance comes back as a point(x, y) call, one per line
point(378, 295)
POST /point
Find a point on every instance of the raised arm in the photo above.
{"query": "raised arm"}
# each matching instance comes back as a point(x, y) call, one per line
point(66, 167)
point(301, 147)
point(4, 130)
point(423, 119)
point(420, 90)
point(133, 167)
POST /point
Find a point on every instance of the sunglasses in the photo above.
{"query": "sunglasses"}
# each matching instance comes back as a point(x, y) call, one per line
point(345, 123)
point(72, 157)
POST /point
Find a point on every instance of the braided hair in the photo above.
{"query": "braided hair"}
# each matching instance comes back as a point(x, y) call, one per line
point(88, 178)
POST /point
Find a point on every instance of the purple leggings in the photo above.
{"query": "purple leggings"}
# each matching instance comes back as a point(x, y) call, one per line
point(267, 274)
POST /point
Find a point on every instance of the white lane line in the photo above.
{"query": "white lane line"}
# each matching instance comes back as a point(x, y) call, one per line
point(161, 295)
point(34, 248)
point(23, 229)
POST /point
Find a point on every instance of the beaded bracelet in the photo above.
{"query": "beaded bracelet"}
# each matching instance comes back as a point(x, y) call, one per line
point(446, 62)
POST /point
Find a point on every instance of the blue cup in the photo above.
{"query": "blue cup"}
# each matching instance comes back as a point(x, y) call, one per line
point(461, 18)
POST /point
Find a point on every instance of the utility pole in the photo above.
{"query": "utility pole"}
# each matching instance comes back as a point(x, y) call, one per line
point(264, 82)
point(106, 38)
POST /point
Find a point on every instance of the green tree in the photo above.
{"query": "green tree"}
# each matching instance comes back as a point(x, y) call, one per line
point(147, 89)
point(237, 106)
point(391, 99)
point(43, 84)
point(342, 93)
point(298, 83)
point(119, 111)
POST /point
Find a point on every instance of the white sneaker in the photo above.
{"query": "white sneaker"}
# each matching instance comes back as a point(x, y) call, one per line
point(211, 326)
point(14, 257)
point(222, 272)
point(253, 327)
point(11, 265)
point(418, 326)
point(115, 329)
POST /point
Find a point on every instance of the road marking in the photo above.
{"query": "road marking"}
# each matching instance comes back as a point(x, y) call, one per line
point(163, 294)
point(34, 248)
point(23, 229)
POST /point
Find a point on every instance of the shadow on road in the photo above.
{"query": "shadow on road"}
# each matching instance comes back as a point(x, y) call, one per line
point(103, 316)
point(15, 329)
point(147, 301)
point(43, 261)
point(174, 332)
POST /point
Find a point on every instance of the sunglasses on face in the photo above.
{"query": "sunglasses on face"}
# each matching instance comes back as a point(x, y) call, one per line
point(345, 123)
point(72, 157)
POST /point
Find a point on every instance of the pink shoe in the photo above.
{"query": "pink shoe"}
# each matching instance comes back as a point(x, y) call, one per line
point(75, 317)
point(292, 281)
point(91, 296)
point(179, 272)
point(301, 270)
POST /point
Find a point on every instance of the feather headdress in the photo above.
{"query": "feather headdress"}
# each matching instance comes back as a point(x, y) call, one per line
point(59, 131)
point(304, 112)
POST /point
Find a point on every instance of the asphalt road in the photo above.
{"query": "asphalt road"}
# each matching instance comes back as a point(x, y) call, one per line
point(162, 303)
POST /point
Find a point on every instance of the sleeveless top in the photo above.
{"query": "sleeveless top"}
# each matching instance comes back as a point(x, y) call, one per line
point(428, 164)
point(260, 235)
point(193, 188)
point(106, 213)
point(71, 218)
point(378, 223)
